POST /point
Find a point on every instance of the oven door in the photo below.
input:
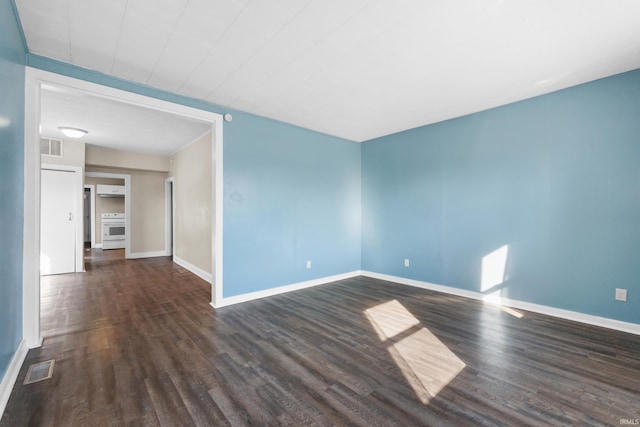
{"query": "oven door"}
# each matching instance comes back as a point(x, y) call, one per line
point(113, 231)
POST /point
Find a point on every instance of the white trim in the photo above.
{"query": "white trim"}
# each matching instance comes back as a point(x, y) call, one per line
point(216, 212)
point(284, 289)
point(31, 224)
point(136, 255)
point(98, 246)
point(425, 285)
point(192, 268)
point(34, 79)
point(77, 209)
point(92, 196)
point(169, 213)
point(119, 95)
point(10, 377)
point(589, 319)
point(127, 205)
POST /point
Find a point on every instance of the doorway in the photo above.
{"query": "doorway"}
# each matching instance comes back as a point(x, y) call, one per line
point(169, 214)
point(89, 216)
point(107, 207)
point(86, 217)
point(34, 81)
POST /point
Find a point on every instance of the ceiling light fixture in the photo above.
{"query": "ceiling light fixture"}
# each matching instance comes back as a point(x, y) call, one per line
point(73, 132)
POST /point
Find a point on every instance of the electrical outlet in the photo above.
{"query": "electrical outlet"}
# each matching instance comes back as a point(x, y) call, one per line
point(621, 294)
point(308, 264)
point(406, 262)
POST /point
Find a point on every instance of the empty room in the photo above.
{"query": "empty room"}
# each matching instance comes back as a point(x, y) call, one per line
point(358, 212)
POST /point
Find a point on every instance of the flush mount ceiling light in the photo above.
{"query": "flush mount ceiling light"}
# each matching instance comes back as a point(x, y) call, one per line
point(73, 132)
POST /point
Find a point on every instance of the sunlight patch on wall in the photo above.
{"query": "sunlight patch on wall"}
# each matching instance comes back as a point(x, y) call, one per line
point(45, 263)
point(427, 364)
point(493, 274)
point(493, 268)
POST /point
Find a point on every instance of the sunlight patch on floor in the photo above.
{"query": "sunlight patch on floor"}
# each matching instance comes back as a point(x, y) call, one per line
point(511, 311)
point(427, 363)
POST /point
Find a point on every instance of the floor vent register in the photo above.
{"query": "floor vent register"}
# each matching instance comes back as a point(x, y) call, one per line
point(40, 371)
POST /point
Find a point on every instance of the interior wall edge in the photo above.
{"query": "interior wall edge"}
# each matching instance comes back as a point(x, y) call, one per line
point(12, 175)
point(23, 38)
point(207, 277)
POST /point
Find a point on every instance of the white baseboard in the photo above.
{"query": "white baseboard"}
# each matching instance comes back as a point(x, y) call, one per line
point(604, 322)
point(9, 379)
point(284, 289)
point(135, 255)
point(192, 268)
point(98, 246)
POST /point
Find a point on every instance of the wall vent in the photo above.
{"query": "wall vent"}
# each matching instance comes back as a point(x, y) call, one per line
point(51, 147)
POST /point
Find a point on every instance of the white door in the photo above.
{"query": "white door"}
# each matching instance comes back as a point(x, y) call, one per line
point(57, 222)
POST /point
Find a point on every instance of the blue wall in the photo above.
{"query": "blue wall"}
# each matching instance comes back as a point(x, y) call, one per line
point(291, 195)
point(556, 178)
point(12, 60)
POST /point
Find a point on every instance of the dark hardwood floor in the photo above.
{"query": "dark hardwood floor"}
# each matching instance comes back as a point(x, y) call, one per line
point(136, 343)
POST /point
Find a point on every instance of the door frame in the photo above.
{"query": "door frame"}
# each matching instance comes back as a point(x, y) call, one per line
point(127, 204)
point(169, 216)
point(78, 189)
point(92, 218)
point(34, 80)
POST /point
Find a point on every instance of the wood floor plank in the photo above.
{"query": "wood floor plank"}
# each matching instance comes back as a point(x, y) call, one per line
point(137, 343)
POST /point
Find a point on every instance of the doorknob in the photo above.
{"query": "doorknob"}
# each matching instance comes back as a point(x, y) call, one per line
point(70, 216)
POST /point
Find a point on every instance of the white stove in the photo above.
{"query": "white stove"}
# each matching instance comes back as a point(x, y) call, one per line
point(113, 230)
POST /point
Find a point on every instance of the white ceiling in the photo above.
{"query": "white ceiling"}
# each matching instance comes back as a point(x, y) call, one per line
point(114, 124)
point(358, 69)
